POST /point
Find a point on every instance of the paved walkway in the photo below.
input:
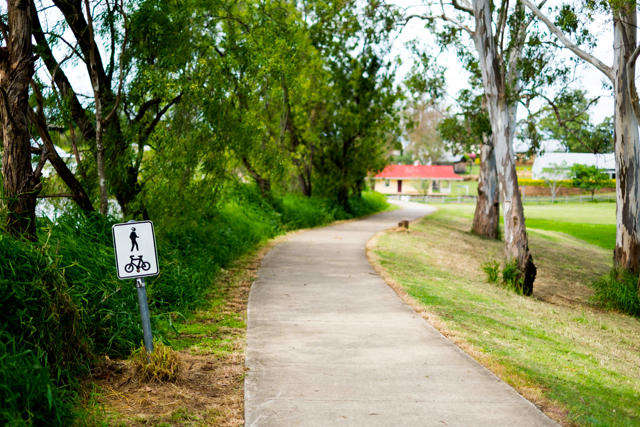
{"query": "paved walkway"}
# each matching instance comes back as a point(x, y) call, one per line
point(330, 344)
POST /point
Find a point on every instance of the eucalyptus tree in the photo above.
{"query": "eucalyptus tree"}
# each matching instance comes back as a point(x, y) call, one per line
point(508, 55)
point(621, 74)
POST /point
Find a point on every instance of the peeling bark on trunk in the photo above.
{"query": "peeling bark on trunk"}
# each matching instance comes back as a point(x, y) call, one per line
point(21, 186)
point(502, 116)
point(486, 220)
point(627, 251)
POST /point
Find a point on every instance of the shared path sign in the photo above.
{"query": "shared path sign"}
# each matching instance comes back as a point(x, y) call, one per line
point(135, 248)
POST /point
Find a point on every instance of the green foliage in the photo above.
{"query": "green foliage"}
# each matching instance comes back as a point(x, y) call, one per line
point(567, 120)
point(466, 131)
point(619, 291)
point(492, 270)
point(361, 113)
point(588, 178)
point(403, 159)
point(511, 276)
point(27, 394)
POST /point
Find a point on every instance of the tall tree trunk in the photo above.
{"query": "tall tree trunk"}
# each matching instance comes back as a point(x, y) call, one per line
point(627, 251)
point(515, 235)
point(95, 69)
point(21, 186)
point(486, 220)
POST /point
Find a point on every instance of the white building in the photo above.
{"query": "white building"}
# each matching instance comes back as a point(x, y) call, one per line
point(605, 162)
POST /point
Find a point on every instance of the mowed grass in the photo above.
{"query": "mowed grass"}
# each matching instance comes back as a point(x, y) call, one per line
point(603, 235)
point(592, 222)
point(580, 364)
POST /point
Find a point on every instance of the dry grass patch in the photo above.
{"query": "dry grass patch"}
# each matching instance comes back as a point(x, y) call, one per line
point(579, 364)
point(199, 378)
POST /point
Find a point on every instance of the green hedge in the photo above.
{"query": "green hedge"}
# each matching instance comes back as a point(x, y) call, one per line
point(522, 182)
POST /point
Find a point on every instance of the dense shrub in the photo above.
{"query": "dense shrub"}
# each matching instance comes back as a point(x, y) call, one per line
point(618, 291)
point(63, 305)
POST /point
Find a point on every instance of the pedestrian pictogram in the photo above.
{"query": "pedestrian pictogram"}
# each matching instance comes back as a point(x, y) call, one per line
point(134, 239)
point(135, 248)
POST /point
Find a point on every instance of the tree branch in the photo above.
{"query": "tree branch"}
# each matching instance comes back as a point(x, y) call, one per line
point(143, 109)
point(159, 115)
point(466, 7)
point(79, 196)
point(58, 76)
point(443, 17)
point(112, 31)
point(502, 19)
point(563, 123)
point(145, 136)
point(606, 70)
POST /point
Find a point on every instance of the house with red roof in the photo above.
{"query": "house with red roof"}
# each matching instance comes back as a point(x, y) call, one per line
point(420, 179)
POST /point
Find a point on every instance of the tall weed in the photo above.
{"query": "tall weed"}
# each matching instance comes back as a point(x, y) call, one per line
point(511, 276)
point(491, 270)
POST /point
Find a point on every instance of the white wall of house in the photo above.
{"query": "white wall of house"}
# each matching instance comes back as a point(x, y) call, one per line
point(412, 186)
point(604, 162)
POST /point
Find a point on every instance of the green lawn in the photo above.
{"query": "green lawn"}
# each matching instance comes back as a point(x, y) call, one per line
point(603, 235)
point(592, 222)
point(580, 364)
point(473, 188)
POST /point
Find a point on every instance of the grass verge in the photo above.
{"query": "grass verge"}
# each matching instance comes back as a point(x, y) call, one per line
point(211, 342)
point(579, 364)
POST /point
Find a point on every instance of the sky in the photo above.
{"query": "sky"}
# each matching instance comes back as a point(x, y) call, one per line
point(457, 78)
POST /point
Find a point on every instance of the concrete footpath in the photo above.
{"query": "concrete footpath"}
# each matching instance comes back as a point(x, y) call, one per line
point(330, 344)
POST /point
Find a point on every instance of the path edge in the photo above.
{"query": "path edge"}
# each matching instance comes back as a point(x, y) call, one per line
point(548, 407)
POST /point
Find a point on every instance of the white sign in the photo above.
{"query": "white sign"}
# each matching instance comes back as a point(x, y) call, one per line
point(135, 248)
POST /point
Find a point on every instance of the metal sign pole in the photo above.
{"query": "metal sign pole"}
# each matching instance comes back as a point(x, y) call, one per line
point(144, 314)
point(134, 245)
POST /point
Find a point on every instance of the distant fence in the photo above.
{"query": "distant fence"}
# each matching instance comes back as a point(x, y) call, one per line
point(535, 200)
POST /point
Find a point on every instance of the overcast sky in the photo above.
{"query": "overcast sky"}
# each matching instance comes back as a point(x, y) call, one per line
point(590, 78)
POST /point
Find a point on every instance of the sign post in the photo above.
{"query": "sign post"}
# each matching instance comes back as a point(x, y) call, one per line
point(134, 244)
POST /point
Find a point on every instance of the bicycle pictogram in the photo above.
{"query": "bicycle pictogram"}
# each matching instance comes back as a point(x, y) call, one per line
point(144, 265)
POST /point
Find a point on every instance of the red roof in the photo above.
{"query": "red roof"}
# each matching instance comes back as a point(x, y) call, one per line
point(419, 172)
